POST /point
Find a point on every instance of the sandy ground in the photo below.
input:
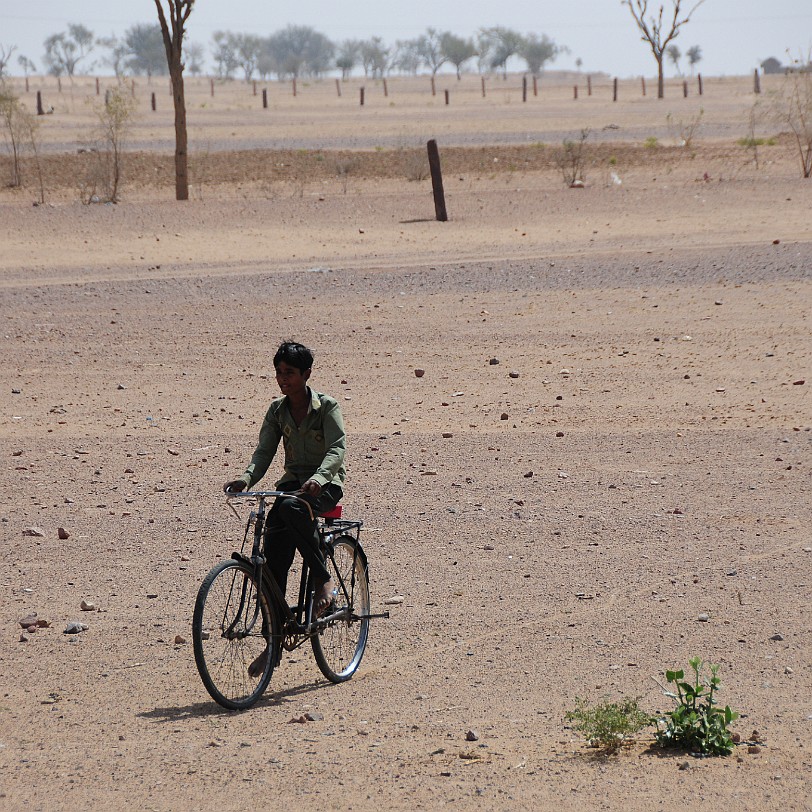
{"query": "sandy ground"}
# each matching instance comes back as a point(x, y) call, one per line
point(652, 467)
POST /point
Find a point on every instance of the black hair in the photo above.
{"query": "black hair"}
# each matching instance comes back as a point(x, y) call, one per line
point(295, 355)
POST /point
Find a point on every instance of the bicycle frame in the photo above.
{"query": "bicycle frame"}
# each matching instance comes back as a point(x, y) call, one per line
point(298, 625)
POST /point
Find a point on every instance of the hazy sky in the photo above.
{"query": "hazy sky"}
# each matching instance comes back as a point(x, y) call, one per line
point(735, 35)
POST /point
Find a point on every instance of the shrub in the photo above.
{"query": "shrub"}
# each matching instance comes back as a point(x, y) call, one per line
point(609, 725)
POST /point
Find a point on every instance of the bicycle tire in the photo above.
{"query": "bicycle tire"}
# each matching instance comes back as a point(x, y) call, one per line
point(233, 623)
point(339, 647)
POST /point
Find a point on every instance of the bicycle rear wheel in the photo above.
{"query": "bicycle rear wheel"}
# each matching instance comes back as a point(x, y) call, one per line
point(234, 626)
point(338, 649)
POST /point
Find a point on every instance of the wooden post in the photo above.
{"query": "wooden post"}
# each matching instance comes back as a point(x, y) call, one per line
point(535, 85)
point(684, 88)
point(575, 92)
point(98, 89)
point(614, 90)
point(255, 87)
point(446, 97)
point(643, 84)
point(338, 88)
point(40, 111)
point(437, 181)
point(483, 87)
point(756, 82)
point(294, 87)
point(153, 102)
point(588, 84)
point(106, 98)
point(59, 83)
point(362, 97)
point(524, 88)
point(699, 82)
point(264, 98)
point(433, 87)
point(26, 84)
point(385, 89)
point(211, 81)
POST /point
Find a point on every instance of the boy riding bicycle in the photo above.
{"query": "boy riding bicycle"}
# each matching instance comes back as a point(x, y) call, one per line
point(311, 428)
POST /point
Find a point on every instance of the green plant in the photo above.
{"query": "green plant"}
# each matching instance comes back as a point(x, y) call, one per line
point(651, 142)
point(608, 725)
point(697, 724)
point(570, 159)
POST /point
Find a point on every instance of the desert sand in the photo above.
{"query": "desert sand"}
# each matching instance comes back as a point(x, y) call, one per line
point(629, 486)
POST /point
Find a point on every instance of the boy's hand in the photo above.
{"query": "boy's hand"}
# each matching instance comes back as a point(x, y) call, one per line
point(235, 486)
point(311, 488)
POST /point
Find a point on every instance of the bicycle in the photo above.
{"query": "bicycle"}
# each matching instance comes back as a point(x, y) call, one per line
point(241, 615)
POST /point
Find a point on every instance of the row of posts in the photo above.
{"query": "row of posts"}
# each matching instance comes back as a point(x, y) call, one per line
point(362, 93)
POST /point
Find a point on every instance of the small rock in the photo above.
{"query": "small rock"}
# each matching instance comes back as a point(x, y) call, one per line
point(87, 606)
point(180, 640)
point(563, 475)
point(472, 736)
point(36, 532)
point(447, 435)
point(314, 716)
point(419, 373)
point(800, 382)
point(152, 594)
point(298, 720)
point(62, 534)
point(23, 637)
point(29, 620)
point(788, 670)
point(776, 242)
point(493, 362)
point(777, 637)
point(75, 627)
point(120, 387)
point(173, 451)
point(703, 618)
point(504, 416)
point(753, 749)
point(394, 600)
point(513, 374)
point(528, 475)
point(685, 765)
point(559, 434)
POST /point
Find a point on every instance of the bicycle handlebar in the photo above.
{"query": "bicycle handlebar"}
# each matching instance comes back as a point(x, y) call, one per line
point(262, 495)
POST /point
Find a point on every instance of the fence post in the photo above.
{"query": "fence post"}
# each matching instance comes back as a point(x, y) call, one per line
point(524, 88)
point(535, 85)
point(483, 87)
point(153, 102)
point(756, 82)
point(212, 87)
point(98, 89)
point(264, 98)
point(437, 181)
point(294, 87)
point(614, 90)
point(446, 97)
point(684, 88)
point(59, 83)
point(699, 82)
point(255, 87)
point(40, 111)
point(433, 87)
point(362, 97)
point(588, 84)
point(338, 87)
point(643, 84)
point(385, 89)
point(575, 92)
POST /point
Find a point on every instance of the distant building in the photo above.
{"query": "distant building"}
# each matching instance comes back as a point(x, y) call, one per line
point(772, 65)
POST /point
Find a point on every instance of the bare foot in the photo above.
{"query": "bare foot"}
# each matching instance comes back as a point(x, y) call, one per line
point(323, 598)
point(257, 667)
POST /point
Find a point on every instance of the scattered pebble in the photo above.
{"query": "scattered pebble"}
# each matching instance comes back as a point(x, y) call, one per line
point(493, 362)
point(180, 640)
point(87, 606)
point(703, 618)
point(513, 373)
point(75, 627)
point(447, 435)
point(36, 532)
point(753, 749)
point(559, 434)
point(419, 373)
point(777, 637)
point(29, 620)
point(314, 716)
point(394, 600)
point(62, 534)
point(503, 416)
point(472, 736)
point(528, 475)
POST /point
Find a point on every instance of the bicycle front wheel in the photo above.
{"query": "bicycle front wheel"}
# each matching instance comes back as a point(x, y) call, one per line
point(338, 649)
point(236, 635)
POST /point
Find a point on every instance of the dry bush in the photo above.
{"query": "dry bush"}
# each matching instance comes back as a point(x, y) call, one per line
point(570, 160)
point(792, 108)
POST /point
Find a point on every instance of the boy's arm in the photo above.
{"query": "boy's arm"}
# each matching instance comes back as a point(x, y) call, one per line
point(269, 436)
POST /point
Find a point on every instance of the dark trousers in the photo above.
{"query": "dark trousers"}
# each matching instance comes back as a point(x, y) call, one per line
point(290, 528)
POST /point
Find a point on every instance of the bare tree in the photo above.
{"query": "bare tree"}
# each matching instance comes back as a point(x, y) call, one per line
point(793, 108)
point(26, 64)
point(537, 50)
point(659, 33)
point(430, 50)
point(498, 44)
point(196, 54)
point(64, 51)
point(173, 31)
point(5, 57)
point(348, 56)
point(674, 54)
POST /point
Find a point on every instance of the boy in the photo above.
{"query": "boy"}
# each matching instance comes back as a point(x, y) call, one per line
point(311, 429)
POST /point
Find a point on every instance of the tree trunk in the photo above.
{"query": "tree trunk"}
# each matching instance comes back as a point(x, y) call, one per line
point(181, 139)
point(660, 78)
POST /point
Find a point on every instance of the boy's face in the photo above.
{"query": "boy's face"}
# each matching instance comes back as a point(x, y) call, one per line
point(291, 380)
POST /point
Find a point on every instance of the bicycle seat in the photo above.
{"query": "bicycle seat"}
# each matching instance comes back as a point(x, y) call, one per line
point(335, 513)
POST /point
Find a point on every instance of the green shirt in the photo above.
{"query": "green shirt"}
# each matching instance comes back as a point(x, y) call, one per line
point(313, 450)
